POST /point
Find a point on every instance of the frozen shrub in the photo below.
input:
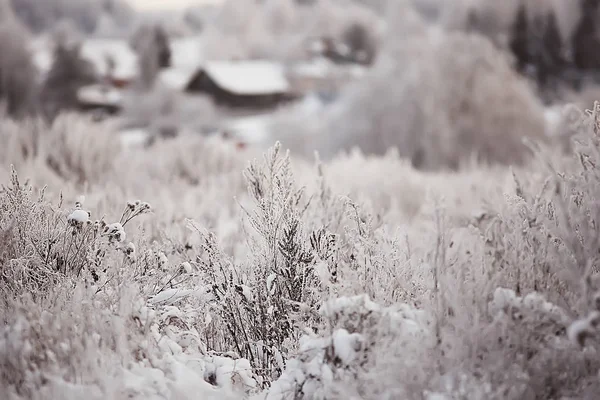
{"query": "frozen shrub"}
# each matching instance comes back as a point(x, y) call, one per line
point(78, 150)
point(106, 342)
point(357, 277)
point(22, 140)
point(360, 328)
point(557, 217)
point(64, 244)
point(263, 309)
point(73, 148)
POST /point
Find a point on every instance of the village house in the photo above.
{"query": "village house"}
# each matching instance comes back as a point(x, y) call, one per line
point(242, 84)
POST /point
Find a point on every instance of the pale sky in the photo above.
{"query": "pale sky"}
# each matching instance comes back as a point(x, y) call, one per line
point(168, 4)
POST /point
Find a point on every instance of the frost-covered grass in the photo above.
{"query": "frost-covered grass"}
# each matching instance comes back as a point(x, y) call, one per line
point(280, 278)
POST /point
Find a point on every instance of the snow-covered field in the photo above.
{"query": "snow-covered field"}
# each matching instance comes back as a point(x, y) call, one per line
point(358, 277)
point(441, 243)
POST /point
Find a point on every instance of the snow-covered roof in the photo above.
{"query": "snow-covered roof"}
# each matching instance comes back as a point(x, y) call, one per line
point(97, 51)
point(249, 77)
point(99, 95)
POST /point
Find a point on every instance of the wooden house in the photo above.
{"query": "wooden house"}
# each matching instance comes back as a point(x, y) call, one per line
point(242, 84)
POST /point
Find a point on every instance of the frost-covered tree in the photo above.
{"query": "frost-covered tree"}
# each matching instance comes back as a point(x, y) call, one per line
point(18, 75)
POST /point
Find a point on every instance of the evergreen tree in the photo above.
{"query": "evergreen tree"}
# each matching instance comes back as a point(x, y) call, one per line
point(553, 59)
point(69, 72)
point(585, 42)
point(519, 41)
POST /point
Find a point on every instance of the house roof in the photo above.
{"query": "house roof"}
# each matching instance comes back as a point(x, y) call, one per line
point(248, 77)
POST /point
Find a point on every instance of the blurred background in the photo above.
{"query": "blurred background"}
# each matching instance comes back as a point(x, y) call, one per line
point(444, 82)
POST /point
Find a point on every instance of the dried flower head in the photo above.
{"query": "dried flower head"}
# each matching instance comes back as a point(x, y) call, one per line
point(78, 217)
point(115, 232)
point(186, 268)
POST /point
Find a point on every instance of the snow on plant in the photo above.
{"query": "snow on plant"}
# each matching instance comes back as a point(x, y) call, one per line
point(482, 284)
point(357, 327)
point(262, 308)
point(63, 244)
point(157, 344)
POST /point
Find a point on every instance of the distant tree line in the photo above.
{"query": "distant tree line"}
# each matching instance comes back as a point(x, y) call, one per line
point(544, 54)
point(43, 15)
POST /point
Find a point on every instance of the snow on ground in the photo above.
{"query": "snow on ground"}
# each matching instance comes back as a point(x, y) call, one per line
point(134, 137)
point(253, 129)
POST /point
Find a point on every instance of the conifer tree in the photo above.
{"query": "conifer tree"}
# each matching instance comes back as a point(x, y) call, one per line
point(585, 42)
point(519, 42)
